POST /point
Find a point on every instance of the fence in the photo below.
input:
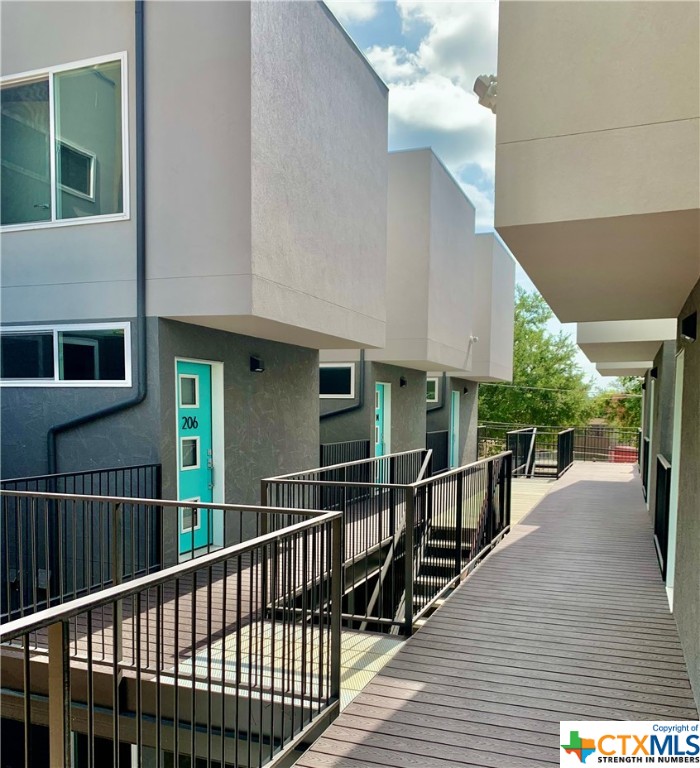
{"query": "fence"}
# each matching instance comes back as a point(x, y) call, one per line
point(58, 547)
point(33, 541)
point(192, 661)
point(646, 449)
point(338, 453)
point(565, 450)
point(408, 539)
point(590, 443)
point(521, 443)
point(438, 443)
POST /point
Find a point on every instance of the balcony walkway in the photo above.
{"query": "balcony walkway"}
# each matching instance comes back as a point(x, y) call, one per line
point(566, 620)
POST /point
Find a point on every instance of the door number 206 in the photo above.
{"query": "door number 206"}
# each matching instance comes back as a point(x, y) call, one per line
point(189, 422)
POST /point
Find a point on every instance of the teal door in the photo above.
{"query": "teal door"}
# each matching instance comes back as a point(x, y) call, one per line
point(454, 430)
point(194, 453)
point(379, 420)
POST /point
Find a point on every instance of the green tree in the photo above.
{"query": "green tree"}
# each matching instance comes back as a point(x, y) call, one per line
point(622, 405)
point(549, 387)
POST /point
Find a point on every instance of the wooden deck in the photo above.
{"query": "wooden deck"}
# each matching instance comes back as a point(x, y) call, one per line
point(566, 620)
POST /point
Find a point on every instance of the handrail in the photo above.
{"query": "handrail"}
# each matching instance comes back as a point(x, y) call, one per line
point(80, 473)
point(426, 463)
point(457, 470)
point(75, 607)
point(164, 503)
point(298, 475)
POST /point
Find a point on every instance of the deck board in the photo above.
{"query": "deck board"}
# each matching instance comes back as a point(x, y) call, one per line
point(566, 620)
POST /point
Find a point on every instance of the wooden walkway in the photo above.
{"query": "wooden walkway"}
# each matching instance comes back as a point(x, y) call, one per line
point(566, 620)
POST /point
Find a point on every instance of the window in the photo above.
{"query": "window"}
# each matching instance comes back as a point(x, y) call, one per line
point(432, 390)
point(337, 380)
point(71, 355)
point(63, 152)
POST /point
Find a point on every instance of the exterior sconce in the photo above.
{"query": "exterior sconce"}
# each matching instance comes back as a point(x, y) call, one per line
point(689, 327)
point(403, 382)
point(256, 365)
point(465, 390)
point(654, 373)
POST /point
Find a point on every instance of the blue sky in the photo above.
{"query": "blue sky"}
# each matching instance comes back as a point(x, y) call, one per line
point(429, 54)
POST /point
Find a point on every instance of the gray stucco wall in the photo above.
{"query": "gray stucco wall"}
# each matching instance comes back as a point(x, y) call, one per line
point(270, 418)
point(123, 439)
point(439, 419)
point(662, 438)
point(687, 574)
point(408, 421)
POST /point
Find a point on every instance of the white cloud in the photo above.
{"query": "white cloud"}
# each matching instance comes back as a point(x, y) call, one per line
point(353, 11)
point(393, 64)
point(434, 102)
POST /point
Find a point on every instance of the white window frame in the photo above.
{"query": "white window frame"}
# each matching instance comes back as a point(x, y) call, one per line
point(195, 377)
point(431, 399)
point(351, 366)
point(195, 439)
point(14, 330)
point(49, 72)
point(193, 511)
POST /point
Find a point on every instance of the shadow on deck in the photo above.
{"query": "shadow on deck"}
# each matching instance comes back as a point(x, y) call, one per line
point(566, 620)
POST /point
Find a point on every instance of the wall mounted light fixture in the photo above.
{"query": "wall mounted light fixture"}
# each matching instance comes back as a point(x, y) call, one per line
point(403, 382)
point(256, 365)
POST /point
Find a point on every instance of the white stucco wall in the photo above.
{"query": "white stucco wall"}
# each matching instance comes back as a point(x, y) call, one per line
point(494, 312)
point(88, 270)
point(430, 265)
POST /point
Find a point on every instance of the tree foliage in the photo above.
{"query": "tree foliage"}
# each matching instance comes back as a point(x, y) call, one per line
point(621, 406)
point(549, 387)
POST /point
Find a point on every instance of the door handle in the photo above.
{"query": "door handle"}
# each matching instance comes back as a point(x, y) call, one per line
point(210, 466)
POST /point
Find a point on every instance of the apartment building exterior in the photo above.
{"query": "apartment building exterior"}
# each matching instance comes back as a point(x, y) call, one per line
point(449, 324)
point(598, 197)
point(183, 228)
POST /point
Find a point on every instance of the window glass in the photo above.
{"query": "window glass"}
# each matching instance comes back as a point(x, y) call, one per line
point(431, 394)
point(190, 457)
point(335, 381)
point(26, 356)
point(88, 105)
point(188, 390)
point(26, 186)
point(91, 355)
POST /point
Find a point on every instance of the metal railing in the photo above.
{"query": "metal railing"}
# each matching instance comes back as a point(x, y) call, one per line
point(438, 443)
point(591, 443)
point(229, 658)
point(57, 547)
point(521, 443)
point(391, 571)
point(661, 511)
point(337, 453)
point(646, 451)
point(565, 450)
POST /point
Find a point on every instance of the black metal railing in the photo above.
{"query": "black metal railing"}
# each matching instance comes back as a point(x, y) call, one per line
point(565, 450)
point(591, 443)
point(215, 660)
point(391, 573)
point(438, 443)
point(646, 450)
point(521, 443)
point(340, 453)
point(661, 511)
point(58, 547)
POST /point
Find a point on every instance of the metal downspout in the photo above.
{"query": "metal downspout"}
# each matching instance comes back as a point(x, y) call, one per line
point(142, 381)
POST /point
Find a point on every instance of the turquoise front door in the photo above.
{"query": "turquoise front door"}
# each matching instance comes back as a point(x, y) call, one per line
point(379, 423)
point(194, 453)
point(454, 430)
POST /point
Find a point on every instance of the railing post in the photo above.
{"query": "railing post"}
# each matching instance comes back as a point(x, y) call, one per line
point(508, 488)
point(489, 503)
point(458, 523)
point(336, 605)
point(117, 572)
point(409, 496)
point(59, 696)
point(264, 524)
